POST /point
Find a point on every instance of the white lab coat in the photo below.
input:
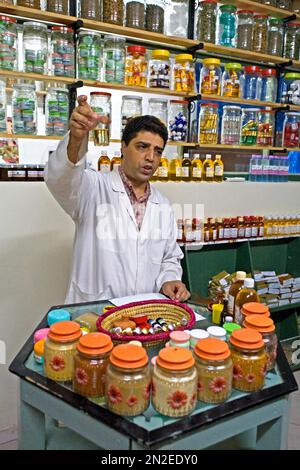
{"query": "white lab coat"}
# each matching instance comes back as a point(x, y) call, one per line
point(112, 257)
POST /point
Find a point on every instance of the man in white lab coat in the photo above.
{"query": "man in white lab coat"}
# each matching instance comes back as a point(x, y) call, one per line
point(125, 239)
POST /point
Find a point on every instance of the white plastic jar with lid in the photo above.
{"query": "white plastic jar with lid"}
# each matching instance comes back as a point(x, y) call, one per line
point(217, 332)
point(180, 339)
point(196, 335)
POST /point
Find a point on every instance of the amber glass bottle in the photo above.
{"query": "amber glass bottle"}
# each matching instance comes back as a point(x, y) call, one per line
point(241, 227)
point(206, 230)
point(104, 162)
point(235, 287)
point(115, 161)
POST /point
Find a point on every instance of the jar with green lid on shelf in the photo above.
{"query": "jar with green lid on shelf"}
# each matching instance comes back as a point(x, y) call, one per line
point(275, 36)
point(266, 127)
point(58, 6)
point(30, 4)
point(291, 48)
point(227, 25)
point(89, 53)
point(174, 382)
point(232, 85)
point(229, 328)
point(265, 326)
point(249, 127)
point(159, 70)
point(155, 16)
point(100, 103)
point(260, 34)
point(35, 47)
point(215, 370)
point(290, 88)
point(3, 106)
point(131, 108)
point(245, 29)
point(176, 18)
point(210, 77)
point(8, 43)
point(24, 107)
point(128, 380)
point(114, 59)
point(57, 111)
point(184, 73)
point(135, 14)
point(206, 23)
point(178, 120)
point(113, 12)
point(91, 9)
point(158, 107)
point(62, 52)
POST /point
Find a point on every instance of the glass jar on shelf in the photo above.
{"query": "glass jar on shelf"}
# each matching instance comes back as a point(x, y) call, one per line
point(252, 84)
point(91, 9)
point(275, 36)
point(58, 6)
point(24, 109)
point(89, 55)
point(231, 125)
point(231, 81)
point(29, 4)
point(62, 52)
point(136, 66)
point(176, 18)
point(227, 25)
point(291, 130)
point(260, 33)
point(113, 11)
point(284, 4)
point(208, 123)
point(131, 107)
point(266, 127)
point(178, 120)
point(210, 77)
point(35, 47)
point(114, 59)
point(291, 48)
point(158, 107)
point(3, 106)
point(268, 85)
point(245, 29)
point(159, 73)
point(249, 127)
point(290, 88)
point(265, 326)
point(135, 14)
point(101, 104)
point(184, 73)
point(8, 43)
point(57, 111)
point(207, 21)
point(155, 16)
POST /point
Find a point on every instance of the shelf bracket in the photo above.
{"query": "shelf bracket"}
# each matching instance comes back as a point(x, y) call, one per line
point(77, 25)
point(282, 66)
point(194, 49)
point(73, 95)
point(289, 18)
point(193, 98)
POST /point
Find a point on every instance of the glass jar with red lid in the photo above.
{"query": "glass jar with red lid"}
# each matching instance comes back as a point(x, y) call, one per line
point(252, 83)
point(268, 85)
point(136, 66)
point(291, 130)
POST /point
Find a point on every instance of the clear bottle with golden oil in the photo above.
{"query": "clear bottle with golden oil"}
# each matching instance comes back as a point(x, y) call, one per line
point(104, 162)
point(275, 224)
point(261, 227)
point(175, 168)
point(218, 169)
point(268, 226)
point(208, 169)
point(186, 168)
point(197, 168)
point(163, 169)
point(115, 161)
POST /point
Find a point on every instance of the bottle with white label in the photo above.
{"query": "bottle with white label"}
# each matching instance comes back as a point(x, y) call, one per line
point(115, 161)
point(175, 168)
point(104, 162)
point(186, 168)
point(218, 169)
point(163, 169)
point(234, 290)
point(208, 169)
point(197, 168)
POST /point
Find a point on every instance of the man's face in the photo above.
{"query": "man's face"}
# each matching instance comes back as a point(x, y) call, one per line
point(142, 155)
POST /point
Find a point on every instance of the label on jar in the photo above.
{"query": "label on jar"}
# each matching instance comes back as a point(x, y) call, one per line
point(116, 166)
point(32, 174)
point(241, 232)
point(105, 167)
point(254, 232)
point(197, 173)
point(221, 233)
point(206, 235)
point(230, 305)
point(189, 236)
point(198, 235)
point(219, 170)
point(19, 174)
point(234, 233)
point(185, 173)
point(209, 172)
point(248, 232)
point(227, 233)
point(178, 172)
point(214, 234)
point(163, 172)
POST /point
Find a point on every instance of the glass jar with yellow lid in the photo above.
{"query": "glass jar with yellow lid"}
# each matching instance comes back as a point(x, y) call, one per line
point(174, 382)
point(231, 80)
point(128, 380)
point(60, 347)
point(90, 363)
point(214, 367)
point(159, 74)
point(210, 77)
point(266, 327)
point(249, 360)
point(184, 73)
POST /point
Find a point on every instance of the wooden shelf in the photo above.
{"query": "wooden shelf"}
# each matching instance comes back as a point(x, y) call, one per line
point(199, 245)
point(260, 8)
point(227, 99)
point(238, 147)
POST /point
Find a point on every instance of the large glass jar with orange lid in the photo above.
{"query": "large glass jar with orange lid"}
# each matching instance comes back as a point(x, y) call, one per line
point(210, 77)
point(60, 348)
point(266, 328)
point(136, 66)
point(174, 382)
point(249, 360)
point(184, 73)
point(248, 309)
point(214, 367)
point(128, 380)
point(90, 363)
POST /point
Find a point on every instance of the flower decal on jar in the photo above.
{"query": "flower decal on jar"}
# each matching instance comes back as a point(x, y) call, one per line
point(200, 386)
point(237, 372)
point(81, 376)
point(177, 400)
point(193, 399)
point(132, 400)
point(114, 394)
point(218, 384)
point(147, 390)
point(57, 363)
point(250, 377)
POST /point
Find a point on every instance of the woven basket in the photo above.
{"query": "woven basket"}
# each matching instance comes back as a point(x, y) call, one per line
point(166, 309)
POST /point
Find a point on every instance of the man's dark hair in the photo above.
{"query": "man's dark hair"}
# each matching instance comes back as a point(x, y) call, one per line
point(144, 123)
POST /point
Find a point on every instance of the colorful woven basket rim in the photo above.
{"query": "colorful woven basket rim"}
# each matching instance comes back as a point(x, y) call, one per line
point(146, 338)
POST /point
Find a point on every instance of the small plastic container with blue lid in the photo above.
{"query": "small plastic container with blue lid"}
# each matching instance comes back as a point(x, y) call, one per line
point(59, 314)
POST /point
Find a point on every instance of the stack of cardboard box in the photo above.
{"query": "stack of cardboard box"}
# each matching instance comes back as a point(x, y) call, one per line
point(277, 290)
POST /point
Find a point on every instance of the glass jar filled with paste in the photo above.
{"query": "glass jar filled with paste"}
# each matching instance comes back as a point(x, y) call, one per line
point(266, 328)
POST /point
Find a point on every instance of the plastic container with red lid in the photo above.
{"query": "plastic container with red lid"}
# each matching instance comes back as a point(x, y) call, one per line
point(136, 66)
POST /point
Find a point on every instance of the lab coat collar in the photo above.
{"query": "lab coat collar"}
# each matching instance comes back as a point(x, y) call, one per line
point(118, 186)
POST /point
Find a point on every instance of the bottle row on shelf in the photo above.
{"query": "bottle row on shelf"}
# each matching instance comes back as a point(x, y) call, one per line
point(269, 168)
point(236, 228)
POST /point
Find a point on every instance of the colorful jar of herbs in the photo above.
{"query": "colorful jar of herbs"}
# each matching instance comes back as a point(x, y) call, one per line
point(136, 66)
point(128, 380)
point(57, 111)
point(178, 119)
point(245, 29)
point(210, 77)
point(291, 130)
point(291, 48)
point(8, 43)
point(114, 59)
point(62, 51)
point(227, 25)
point(90, 363)
point(24, 105)
point(260, 33)
point(266, 328)
point(207, 21)
point(266, 127)
point(214, 368)
point(35, 45)
point(60, 348)
point(249, 360)
point(89, 55)
point(184, 73)
point(174, 382)
point(249, 127)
